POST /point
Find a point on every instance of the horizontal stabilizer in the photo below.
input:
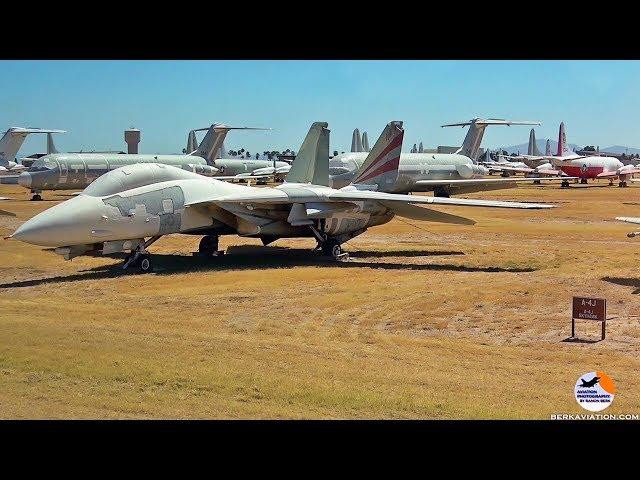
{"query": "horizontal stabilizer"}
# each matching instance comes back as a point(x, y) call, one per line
point(491, 121)
point(425, 214)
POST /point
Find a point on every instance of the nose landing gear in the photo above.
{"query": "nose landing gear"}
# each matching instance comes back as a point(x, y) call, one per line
point(139, 257)
point(36, 197)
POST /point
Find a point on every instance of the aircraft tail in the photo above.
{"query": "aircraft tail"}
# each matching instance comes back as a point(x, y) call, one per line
point(533, 146)
point(356, 141)
point(311, 164)
point(381, 165)
point(15, 137)
point(212, 142)
point(192, 140)
point(365, 142)
point(51, 147)
point(547, 150)
point(563, 149)
point(471, 144)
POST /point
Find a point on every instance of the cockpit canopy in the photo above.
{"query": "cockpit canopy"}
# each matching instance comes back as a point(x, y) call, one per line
point(133, 176)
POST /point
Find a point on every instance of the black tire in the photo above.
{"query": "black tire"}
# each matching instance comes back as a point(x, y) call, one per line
point(208, 245)
point(36, 198)
point(331, 248)
point(144, 264)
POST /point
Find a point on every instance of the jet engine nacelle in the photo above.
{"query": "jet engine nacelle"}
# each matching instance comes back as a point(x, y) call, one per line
point(206, 170)
point(471, 170)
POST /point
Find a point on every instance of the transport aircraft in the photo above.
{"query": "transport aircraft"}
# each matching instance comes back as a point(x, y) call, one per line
point(445, 174)
point(75, 171)
point(569, 164)
point(131, 207)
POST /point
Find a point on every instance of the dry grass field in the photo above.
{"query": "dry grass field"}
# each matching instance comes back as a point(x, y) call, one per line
point(425, 321)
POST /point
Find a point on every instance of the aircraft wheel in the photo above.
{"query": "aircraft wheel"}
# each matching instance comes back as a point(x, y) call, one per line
point(332, 248)
point(144, 263)
point(36, 198)
point(208, 245)
point(583, 181)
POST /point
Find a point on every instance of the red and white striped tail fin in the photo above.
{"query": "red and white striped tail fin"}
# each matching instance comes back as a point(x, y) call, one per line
point(381, 165)
point(562, 142)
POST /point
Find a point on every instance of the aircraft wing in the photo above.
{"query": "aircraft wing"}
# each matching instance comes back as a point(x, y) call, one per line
point(607, 175)
point(9, 179)
point(629, 219)
point(485, 181)
point(506, 168)
point(241, 176)
point(273, 196)
point(360, 196)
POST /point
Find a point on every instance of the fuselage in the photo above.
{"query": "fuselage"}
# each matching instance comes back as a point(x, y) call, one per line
point(237, 166)
point(413, 167)
point(73, 171)
point(65, 171)
point(149, 200)
point(588, 167)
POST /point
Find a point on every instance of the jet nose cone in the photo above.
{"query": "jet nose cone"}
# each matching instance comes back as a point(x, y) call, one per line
point(24, 179)
point(31, 231)
point(68, 223)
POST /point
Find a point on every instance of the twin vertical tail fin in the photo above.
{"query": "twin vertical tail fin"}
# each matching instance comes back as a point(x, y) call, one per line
point(311, 164)
point(381, 165)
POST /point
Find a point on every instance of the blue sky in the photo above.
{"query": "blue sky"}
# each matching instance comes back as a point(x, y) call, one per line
point(599, 101)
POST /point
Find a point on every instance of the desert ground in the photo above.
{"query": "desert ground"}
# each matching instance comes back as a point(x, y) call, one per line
point(425, 320)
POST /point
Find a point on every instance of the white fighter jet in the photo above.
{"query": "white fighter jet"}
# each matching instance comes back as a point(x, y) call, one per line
point(129, 208)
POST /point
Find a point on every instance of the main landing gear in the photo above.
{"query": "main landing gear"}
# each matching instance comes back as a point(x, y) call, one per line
point(583, 181)
point(622, 184)
point(209, 246)
point(330, 246)
point(564, 184)
point(36, 197)
point(139, 257)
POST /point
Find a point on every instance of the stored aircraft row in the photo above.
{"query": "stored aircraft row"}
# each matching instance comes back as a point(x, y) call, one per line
point(570, 164)
point(73, 171)
point(131, 207)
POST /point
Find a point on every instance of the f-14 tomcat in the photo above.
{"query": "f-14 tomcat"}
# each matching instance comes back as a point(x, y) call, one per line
point(128, 209)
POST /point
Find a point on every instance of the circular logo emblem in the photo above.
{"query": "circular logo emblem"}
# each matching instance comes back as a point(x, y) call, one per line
point(584, 167)
point(221, 168)
point(594, 391)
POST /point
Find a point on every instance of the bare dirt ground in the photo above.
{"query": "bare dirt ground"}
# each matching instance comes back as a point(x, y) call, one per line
point(425, 321)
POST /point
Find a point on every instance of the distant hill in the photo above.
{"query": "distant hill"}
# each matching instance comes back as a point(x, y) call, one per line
point(621, 149)
point(522, 148)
